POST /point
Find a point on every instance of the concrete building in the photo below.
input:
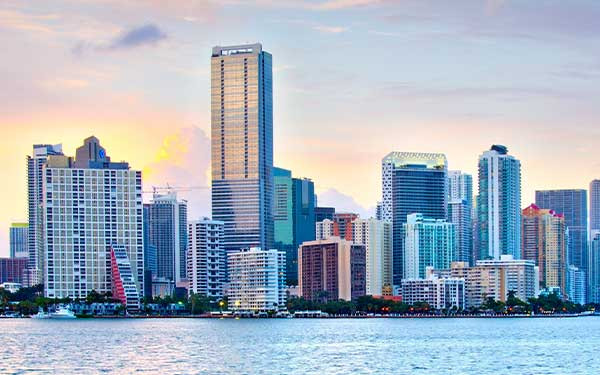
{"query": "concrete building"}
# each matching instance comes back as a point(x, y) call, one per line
point(460, 212)
point(521, 276)
point(544, 242)
point(35, 237)
point(322, 213)
point(576, 285)
point(376, 236)
point(481, 282)
point(411, 182)
point(499, 204)
point(124, 285)
point(427, 243)
point(324, 229)
point(206, 259)
point(242, 145)
point(13, 270)
point(331, 269)
point(89, 205)
point(572, 203)
point(167, 232)
point(257, 280)
point(439, 293)
point(18, 234)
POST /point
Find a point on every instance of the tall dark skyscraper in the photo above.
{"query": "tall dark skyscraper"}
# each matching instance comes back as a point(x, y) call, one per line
point(412, 183)
point(573, 204)
point(242, 145)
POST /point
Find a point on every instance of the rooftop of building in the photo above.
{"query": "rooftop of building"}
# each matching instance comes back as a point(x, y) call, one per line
point(416, 159)
point(218, 51)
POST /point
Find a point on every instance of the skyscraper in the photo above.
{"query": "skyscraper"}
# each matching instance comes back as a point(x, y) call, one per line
point(376, 236)
point(499, 204)
point(206, 260)
point(18, 233)
point(460, 212)
point(594, 208)
point(168, 233)
point(242, 145)
point(322, 213)
point(594, 270)
point(573, 205)
point(427, 243)
point(90, 205)
point(544, 242)
point(411, 183)
point(35, 238)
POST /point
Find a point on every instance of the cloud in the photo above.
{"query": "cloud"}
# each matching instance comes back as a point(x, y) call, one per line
point(343, 203)
point(330, 29)
point(138, 36)
point(343, 4)
point(183, 161)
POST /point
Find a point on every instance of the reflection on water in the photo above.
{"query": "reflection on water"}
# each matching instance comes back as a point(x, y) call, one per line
point(298, 346)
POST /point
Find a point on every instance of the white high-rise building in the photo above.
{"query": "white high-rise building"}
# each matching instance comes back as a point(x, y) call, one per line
point(324, 229)
point(206, 260)
point(376, 235)
point(499, 204)
point(257, 280)
point(89, 205)
point(35, 237)
point(576, 285)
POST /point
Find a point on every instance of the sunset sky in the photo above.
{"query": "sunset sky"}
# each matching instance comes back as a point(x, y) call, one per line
point(353, 80)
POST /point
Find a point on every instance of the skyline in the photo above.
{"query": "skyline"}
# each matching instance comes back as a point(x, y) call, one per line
point(94, 79)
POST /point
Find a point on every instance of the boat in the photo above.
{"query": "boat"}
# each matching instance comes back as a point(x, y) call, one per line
point(41, 314)
point(62, 313)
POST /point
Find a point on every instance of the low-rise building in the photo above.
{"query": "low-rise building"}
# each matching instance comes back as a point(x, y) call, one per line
point(439, 293)
point(257, 280)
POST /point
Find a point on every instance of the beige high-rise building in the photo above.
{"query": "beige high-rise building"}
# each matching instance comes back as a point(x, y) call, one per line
point(376, 236)
point(544, 242)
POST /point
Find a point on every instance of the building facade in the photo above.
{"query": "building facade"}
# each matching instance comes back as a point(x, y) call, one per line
point(331, 269)
point(376, 236)
point(521, 276)
point(257, 280)
point(544, 242)
point(13, 270)
point(242, 145)
point(439, 293)
point(594, 208)
point(35, 238)
point(18, 234)
point(594, 270)
point(573, 205)
point(89, 205)
point(206, 259)
point(499, 204)
point(167, 233)
point(411, 183)
point(460, 212)
point(576, 285)
point(124, 285)
point(481, 282)
point(322, 213)
point(427, 243)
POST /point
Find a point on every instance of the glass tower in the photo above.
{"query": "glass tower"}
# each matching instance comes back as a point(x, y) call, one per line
point(412, 183)
point(460, 210)
point(499, 204)
point(242, 145)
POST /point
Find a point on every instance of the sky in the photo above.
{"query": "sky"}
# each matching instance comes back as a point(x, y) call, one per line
point(353, 81)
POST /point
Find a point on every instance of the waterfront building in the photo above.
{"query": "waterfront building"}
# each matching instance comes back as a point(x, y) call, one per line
point(322, 213)
point(411, 183)
point(13, 270)
point(481, 282)
point(11, 287)
point(572, 203)
point(594, 208)
point(331, 269)
point(499, 204)
point(376, 236)
point(520, 276)
point(427, 243)
point(242, 145)
point(35, 237)
point(150, 255)
point(18, 233)
point(460, 212)
point(124, 285)
point(544, 242)
point(206, 260)
point(594, 270)
point(257, 280)
point(439, 293)
point(167, 232)
point(89, 205)
point(576, 285)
